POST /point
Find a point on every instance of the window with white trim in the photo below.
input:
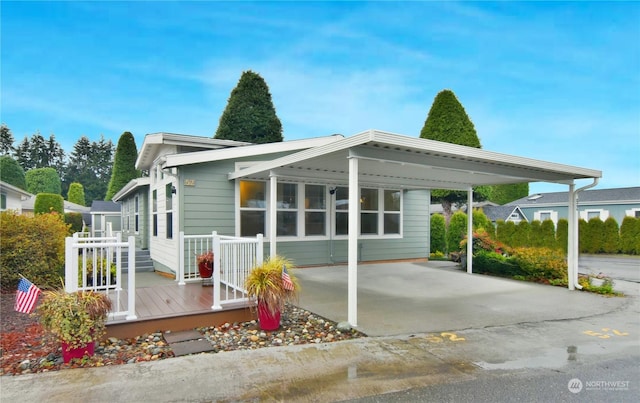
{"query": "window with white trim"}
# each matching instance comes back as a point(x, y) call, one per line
point(155, 212)
point(168, 192)
point(287, 209)
point(315, 210)
point(342, 211)
point(369, 211)
point(392, 211)
point(253, 208)
point(136, 212)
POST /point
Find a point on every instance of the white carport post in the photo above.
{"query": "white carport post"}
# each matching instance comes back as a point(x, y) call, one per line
point(354, 204)
point(572, 242)
point(273, 224)
point(470, 230)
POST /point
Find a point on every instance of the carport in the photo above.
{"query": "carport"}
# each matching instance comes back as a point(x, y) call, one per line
point(385, 159)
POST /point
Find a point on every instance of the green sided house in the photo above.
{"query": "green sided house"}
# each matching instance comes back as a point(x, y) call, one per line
point(317, 201)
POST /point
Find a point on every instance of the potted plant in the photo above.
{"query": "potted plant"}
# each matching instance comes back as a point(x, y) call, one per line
point(205, 264)
point(271, 285)
point(76, 319)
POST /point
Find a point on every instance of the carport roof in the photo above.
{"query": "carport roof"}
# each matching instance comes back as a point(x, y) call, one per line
point(394, 160)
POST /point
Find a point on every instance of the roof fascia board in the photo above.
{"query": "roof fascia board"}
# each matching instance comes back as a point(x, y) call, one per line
point(480, 154)
point(334, 146)
point(132, 185)
point(15, 189)
point(247, 151)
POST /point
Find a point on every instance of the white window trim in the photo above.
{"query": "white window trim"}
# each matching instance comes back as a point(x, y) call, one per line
point(602, 213)
point(330, 212)
point(632, 212)
point(552, 214)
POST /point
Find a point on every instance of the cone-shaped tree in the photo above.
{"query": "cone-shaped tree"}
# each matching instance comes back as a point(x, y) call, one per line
point(250, 115)
point(448, 121)
point(76, 194)
point(12, 173)
point(43, 180)
point(124, 164)
point(438, 234)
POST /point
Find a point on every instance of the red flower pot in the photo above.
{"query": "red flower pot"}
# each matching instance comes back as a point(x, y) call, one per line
point(205, 269)
point(69, 353)
point(268, 321)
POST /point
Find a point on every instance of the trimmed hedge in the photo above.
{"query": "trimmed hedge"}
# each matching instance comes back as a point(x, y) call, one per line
point(47, 203)
point(486, 262)
point(74, 220)
point(438, 234)
point(32, 246)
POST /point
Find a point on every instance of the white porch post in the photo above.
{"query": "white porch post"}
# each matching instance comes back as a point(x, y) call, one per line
point(354, 203)
point(273, 222)
point(470, 230)
point(131, 279)
point(180, 277)
point(215, 245)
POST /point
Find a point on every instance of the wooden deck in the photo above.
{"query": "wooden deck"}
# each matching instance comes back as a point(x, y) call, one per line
point(175, 307)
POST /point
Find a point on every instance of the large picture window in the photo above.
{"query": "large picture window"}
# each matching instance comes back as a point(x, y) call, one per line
point(392, 212)
point(253, 208)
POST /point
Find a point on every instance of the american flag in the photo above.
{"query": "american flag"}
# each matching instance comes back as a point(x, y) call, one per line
point(286, 280)
point(27, 296)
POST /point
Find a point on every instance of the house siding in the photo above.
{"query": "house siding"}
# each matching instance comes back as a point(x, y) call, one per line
point(209, 204)
point(617, 211)
point(128, 211)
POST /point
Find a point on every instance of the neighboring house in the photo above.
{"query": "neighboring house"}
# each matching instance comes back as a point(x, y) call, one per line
point(436, 208)
point(602, 203)
point(12, 197)
point(297, 193)
point(27, 207)
point(105, 218)
point(504, 213)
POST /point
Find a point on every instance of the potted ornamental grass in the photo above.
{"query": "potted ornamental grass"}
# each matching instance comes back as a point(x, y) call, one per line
point(205, 264)
point(272, 285)
point(75, 319)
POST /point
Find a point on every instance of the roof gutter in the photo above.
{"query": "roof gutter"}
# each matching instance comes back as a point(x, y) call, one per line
point(574, 206)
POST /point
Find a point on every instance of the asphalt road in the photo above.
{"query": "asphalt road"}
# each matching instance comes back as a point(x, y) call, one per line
point(617, 267)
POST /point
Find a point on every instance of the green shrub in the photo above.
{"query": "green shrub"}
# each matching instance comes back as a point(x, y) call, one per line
point(562, 235)
point(456, 231)
point(535, 234)
point(547, 234)
point(595, 236)
point(583, 235)
point(630, 235)
point(611, 242)
point(542, 264)
point(494, 263)
point(521, 234)
point(32, 246)
point(43, 180)
point(505, 232)
point(438, 234)
point(482, 241)
point(480, 220)
point(101, 273)
point(47, 203)
point(74, 220)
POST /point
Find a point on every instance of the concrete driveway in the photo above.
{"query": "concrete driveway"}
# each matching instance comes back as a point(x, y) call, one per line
point(410, 298)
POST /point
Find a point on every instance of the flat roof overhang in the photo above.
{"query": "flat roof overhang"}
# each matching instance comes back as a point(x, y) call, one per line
point(393, 160)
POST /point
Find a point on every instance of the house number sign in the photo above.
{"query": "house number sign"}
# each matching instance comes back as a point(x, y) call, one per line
point(189, 182)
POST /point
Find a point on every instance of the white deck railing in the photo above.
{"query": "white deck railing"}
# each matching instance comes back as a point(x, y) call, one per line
point(95, 263)
point(233, 259)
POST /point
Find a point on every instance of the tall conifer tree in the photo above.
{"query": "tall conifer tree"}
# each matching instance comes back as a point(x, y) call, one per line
point(124, 165)
point(250, 115)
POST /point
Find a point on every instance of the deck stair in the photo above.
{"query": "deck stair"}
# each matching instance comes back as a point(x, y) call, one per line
point(187, 342)
point(143, 262)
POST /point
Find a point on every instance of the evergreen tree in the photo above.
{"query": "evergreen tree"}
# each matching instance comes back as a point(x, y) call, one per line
point(48, 203)
point(480, 220)
point(503, 194)
point(630, 235)
point(23, 155)
point(76, 194)
point(250, 115)
point(124, 165)
point(548, 234)
point(505, 232)
point(90, 164)
point(438, 234)
point(611, 236)
point(595, 235)
point(583, 236)
point(562, 234)
point(12, 173)
point(43, 180)
point(535, 234)
point(6, 140)
point(448, 121)
point(521, 234)
point(40, 153)
point(456, 231)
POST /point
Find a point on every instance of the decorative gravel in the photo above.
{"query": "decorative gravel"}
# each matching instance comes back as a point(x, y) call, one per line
point(25, 349)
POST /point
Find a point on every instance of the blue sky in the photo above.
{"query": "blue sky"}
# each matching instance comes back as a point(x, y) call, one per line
point(551, 81)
